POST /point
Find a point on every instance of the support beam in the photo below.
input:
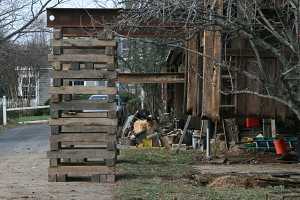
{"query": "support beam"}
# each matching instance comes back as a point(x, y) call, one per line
point(138, 78)
point(211, 69)
point(192, 64)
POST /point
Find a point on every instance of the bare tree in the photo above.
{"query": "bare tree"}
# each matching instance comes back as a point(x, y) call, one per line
point(266, 26)
point(17, 16)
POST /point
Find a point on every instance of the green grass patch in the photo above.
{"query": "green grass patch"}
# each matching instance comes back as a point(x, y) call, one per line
point(155, 162)
point(156, 174)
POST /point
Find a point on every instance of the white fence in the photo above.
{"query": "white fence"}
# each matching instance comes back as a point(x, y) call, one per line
point(16, 105)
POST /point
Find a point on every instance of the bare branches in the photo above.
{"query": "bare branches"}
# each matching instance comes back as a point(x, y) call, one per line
point(267, 26)
point(17, 16)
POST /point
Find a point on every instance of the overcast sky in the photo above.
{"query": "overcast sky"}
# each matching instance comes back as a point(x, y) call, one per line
point(87, 4)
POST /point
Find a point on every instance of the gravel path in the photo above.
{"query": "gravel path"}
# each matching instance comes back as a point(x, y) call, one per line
point(23, 170)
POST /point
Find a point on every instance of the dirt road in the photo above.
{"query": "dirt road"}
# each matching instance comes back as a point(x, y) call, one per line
point(23, 170)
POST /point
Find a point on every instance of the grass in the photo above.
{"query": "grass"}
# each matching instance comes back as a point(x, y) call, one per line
point(156, 174)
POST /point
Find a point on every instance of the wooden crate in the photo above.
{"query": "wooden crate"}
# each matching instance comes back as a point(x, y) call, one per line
point(82, 143)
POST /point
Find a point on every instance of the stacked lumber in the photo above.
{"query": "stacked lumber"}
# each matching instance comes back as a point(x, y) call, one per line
point(83, 139)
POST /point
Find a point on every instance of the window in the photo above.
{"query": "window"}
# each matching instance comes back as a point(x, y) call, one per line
point(29, 87)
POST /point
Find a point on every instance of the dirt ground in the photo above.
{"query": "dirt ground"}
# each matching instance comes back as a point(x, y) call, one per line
point(23, 170)
point(248, 169)
point(148, 174)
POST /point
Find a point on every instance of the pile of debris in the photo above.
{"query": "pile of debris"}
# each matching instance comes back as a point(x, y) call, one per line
point(145, 130)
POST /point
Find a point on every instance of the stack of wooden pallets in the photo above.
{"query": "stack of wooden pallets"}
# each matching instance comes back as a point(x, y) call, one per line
point(83, 132)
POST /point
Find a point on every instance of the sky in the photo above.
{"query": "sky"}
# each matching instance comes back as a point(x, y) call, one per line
point(86, 4)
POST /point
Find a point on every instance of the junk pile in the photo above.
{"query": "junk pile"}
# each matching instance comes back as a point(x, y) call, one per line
point(230, 137)
point(144, 130)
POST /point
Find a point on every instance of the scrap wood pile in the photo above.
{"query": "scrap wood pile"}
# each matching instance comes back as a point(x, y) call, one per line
point(145, 130)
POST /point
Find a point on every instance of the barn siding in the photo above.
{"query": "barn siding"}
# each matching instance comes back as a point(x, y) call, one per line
point(44, 83)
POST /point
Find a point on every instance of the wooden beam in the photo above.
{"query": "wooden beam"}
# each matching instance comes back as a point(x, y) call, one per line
point(110, 114)
point(93, 58)
point(100, 154)
point(248, 53)
point(83, 90)
point(211, 69)
point(89, 129)
point(81, 170)
point(138, 78)
point(192, 75)
point(83, 42)
point(83, 122)
point(83, 105)
point(84, 74)
point(87, 137)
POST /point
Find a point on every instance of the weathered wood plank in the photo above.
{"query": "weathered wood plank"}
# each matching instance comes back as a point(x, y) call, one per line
point(192, 60)
point(56, 65)
point(103, 178)
point(54, 130)
point(84, 51)
point(87, 137)
point(110, 114)
point(57, 34)
point(82, 90)
point(136, 78)
point(89, 129)
point(83, 105)
point(87, 140)
point(83, 122)
point(81, 170)
point(84, 74)
point(83, 42)
point(101, 154)
point(104, 66)
point(81, 58)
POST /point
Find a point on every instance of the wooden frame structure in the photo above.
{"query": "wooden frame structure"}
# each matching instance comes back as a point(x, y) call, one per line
point(82, 142)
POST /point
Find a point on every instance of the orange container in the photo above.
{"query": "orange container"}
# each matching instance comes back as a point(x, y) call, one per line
point(279, 145)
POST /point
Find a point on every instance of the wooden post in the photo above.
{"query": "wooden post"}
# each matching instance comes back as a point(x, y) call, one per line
point(212, 74)
point(4, 104)
point(192, 73)
point(211, 70)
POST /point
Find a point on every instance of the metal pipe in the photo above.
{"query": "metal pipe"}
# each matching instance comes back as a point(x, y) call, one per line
point(208, 131)
point(4, 104)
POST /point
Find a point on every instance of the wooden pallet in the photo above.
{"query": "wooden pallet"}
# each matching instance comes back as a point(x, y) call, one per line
point(82, 143)
point(90, 173)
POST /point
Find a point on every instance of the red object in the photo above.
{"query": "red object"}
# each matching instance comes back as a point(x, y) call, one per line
point(252, 122)
point(279, 146)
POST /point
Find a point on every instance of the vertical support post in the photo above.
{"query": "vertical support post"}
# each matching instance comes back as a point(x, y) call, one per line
point(208, 135)
point(4, 104)
point(273, 128)
point(211, 95)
